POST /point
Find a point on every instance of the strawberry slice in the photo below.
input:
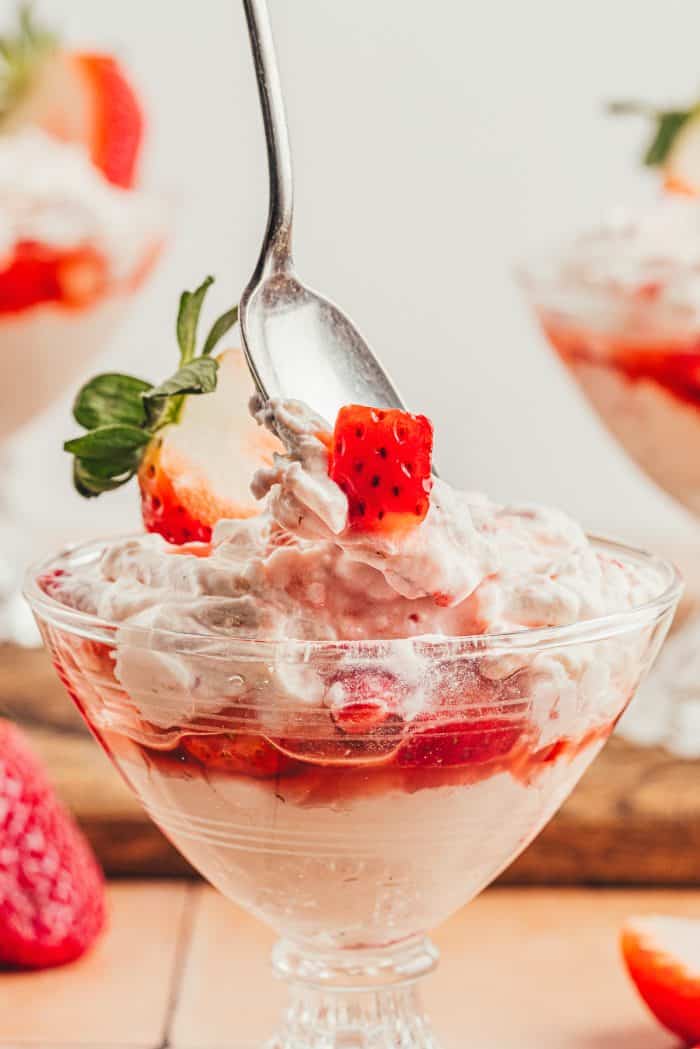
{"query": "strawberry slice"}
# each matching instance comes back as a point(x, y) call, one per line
point(79, 97)
point(52, 903)
point(662, 955)
point(362, 699)
point(38, 273)
point(381, 459)
point(116, 124)
point(242, 754)
point(193, 458)
point(490, 736)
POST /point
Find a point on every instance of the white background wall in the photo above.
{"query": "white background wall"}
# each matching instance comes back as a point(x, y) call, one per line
point(434, 144)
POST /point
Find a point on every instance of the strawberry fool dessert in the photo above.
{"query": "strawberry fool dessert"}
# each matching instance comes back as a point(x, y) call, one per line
point(620, 305)
point(77, 236)
point(352, 705)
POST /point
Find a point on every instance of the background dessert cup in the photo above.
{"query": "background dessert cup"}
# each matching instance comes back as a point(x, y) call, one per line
point(46, 344)
point(621, 308)
point(77, 235)
point(352, 838)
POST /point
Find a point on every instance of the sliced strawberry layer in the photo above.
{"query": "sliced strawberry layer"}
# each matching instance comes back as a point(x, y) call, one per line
point(382, 461)
point(486, 738)
point(361, 700)
point(672, 364)
point(238, 753)
point(37, 273)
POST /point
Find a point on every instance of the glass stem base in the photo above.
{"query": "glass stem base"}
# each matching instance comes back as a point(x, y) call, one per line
point(355, 999)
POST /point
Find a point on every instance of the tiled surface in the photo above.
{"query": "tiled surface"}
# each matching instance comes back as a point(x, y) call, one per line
point(182, 969)
point(119, 995)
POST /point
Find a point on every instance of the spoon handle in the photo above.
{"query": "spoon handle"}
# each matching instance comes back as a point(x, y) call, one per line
point(276, 251)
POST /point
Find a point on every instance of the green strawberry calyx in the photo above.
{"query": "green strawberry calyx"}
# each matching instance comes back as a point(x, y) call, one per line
point(122, 414)
point(666, 123)
point(22, 52)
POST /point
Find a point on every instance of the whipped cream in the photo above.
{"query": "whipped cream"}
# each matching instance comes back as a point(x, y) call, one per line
point(647, 260)
point(298, 572)
point(51, 192)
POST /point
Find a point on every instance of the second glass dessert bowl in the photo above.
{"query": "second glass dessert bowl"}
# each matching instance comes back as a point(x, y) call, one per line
point(620, 306)
point(351, 828)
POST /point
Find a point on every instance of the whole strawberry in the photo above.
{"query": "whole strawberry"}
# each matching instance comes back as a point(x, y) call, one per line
point(51, 889)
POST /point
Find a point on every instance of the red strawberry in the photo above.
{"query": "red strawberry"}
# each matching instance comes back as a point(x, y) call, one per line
point(161, 509)
point(38, 273)
point(382, 461)
point(51, 890)
point(75, 96)
point(244, 754)
point(488, 737)
point(193, 458)
point(115, 130)
point(362, 699)
point(662, 955)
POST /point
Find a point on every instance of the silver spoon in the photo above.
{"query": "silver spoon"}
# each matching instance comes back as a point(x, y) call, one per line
point(298, 343)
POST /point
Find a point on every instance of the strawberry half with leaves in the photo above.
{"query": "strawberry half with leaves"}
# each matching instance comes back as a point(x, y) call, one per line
point(193, 465)
point(79, 97)
point(381, 458)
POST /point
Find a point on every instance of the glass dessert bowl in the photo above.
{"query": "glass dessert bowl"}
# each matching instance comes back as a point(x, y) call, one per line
point(352, 794)
point(78, 236)
point(621, 308)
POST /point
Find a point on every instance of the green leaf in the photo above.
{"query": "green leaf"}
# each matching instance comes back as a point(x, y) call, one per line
point(111, 398)
point(667, 128)
point(91, 481)
point(188, 319)
point(199, 376)
point(108, 443)
point(219, 329)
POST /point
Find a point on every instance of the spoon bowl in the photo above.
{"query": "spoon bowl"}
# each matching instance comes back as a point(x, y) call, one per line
point(297, 343)
point(306, 348)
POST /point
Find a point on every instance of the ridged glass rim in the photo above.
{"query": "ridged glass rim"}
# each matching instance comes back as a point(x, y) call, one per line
point(92, 627)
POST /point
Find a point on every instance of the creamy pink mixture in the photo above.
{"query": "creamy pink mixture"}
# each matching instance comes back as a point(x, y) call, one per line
point(297, 571)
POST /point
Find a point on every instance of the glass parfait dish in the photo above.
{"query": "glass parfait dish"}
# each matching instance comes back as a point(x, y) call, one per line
point(352, 839)
point(620, 306)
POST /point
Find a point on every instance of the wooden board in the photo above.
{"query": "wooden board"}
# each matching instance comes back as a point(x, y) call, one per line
point(634, 819)
point(182, 967)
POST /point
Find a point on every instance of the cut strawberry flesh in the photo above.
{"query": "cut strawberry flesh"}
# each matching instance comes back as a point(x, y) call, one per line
point(662, 955)
point(362, 699)
point(244, 754)
point(161, 509)
point(38, 273)
point(455, 743)
point(381, 459)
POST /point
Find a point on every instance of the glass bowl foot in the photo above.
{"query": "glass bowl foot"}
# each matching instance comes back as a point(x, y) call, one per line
point(355, 999)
